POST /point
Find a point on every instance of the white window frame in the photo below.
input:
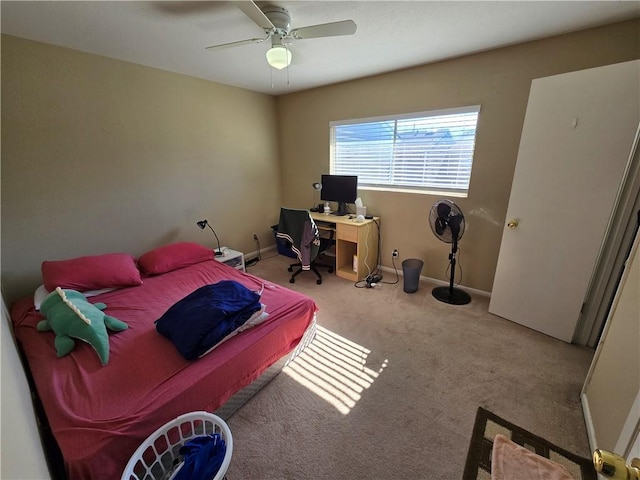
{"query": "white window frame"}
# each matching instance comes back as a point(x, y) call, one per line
point(421, 176)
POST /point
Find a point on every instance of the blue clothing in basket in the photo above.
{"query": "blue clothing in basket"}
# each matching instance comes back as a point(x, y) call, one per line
point(203, 457)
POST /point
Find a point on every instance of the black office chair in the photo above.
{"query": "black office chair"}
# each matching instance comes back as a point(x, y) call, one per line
point(298, 229)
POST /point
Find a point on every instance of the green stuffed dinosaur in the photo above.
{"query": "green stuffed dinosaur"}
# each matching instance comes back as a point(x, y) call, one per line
point(70, 316)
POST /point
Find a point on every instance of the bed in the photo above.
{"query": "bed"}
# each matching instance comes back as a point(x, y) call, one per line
point(99, 414)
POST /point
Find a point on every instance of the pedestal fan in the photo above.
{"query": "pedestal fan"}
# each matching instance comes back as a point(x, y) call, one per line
point(447, 223)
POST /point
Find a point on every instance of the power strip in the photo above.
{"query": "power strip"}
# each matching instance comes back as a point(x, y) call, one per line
point(373, 279)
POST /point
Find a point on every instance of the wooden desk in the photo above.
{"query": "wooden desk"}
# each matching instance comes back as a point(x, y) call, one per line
point(352, 238)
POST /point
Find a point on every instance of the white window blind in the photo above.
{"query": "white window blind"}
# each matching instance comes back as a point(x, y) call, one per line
point(425, 151)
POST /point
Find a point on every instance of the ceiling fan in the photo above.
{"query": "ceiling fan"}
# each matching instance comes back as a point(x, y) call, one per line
point(276, 23)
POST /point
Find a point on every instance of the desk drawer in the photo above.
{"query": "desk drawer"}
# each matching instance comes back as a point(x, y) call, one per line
point(347, 232)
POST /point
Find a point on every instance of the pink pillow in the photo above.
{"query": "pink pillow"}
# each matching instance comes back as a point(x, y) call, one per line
point(112, 270)
point(173, 256)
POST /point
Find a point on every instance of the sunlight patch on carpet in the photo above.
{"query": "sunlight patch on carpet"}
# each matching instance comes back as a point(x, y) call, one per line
point(335, 369)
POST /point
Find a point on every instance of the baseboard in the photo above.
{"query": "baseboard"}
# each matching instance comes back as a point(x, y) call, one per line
point(439, 282)
point(475, 291)
point(250, 255)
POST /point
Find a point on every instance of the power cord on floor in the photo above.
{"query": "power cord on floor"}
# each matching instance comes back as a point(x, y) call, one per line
point(375, 278)
point(257, 258)
point(395, 269)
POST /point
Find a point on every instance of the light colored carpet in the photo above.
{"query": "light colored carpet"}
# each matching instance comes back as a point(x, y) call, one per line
point(392, 384)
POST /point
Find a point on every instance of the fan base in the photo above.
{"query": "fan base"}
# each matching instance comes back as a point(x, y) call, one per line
point(454, 297)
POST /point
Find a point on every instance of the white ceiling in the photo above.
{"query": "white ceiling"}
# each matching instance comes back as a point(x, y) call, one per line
point(391, 34)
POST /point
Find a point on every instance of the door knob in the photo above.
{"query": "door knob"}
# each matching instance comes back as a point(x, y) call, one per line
point(513, 223)
point(612, 465)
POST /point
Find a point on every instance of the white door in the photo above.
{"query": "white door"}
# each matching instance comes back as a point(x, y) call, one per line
point(576, 140)
point(611, 393)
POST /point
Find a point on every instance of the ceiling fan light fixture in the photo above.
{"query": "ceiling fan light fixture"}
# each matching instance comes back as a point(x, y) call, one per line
point(278, 57)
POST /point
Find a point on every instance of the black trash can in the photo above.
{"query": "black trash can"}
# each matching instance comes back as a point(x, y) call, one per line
point(411, 268)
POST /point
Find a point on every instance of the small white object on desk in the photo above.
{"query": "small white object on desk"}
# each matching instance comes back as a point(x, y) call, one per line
point(360, 209)
point(233, 258)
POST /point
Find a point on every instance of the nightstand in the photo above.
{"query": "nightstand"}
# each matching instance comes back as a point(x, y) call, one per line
point(233, 258)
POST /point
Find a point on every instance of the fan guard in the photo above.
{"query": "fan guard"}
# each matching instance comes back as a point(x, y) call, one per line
point(443, 214)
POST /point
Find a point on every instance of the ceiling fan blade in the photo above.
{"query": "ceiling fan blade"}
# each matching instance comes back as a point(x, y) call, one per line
point(251, 10)
point(334, 29)
point(237, 44)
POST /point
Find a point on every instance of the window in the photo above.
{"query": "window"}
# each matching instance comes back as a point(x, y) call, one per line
point(426, 152)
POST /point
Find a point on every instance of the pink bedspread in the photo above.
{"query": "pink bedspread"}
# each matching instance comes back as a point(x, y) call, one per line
point(99, 415)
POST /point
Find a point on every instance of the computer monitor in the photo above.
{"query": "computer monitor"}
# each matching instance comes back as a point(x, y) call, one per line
point(342, 189)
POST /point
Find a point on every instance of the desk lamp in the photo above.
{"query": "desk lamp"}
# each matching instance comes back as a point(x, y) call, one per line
point(317, 186)
point(205, 223)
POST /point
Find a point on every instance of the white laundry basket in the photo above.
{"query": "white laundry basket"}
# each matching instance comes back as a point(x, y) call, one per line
point(156, 458)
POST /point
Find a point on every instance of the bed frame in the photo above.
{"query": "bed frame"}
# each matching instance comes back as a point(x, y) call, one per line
point(53, 455)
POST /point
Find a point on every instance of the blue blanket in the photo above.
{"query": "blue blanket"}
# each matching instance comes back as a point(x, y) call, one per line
point(204, 317)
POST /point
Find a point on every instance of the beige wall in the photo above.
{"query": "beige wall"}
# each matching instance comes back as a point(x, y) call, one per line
point(499, 81)
point(104, 156)
point(100, 155)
